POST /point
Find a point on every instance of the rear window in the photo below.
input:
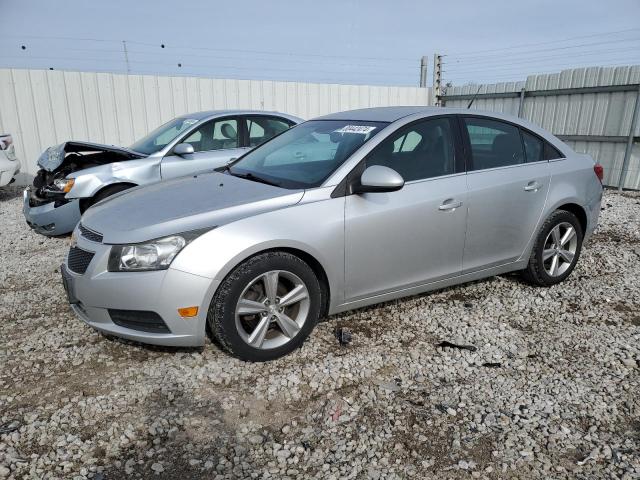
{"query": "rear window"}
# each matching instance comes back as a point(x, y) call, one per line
point(533, 147)
point(493, 143)
point(551, 152)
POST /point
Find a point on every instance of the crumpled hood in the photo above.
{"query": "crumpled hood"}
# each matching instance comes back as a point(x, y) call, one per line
point(183, 204)
point(54, 156)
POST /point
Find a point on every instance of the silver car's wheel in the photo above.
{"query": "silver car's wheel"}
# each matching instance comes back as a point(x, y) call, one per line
point(272, 309)
point(559, 249)
point(556, 249)
point(266, 307)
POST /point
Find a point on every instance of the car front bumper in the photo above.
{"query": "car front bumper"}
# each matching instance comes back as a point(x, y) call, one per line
point(8, 170)
point(48, 219)
point(96, 293)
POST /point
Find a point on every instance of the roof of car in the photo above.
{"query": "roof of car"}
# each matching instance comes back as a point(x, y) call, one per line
point(382, 114)
point(217, 113)
point(391, 114)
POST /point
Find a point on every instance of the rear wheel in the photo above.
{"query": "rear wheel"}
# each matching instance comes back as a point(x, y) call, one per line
point(556, 250)
point(266, 307)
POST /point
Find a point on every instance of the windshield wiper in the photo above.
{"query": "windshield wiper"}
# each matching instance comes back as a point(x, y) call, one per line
point(252, 177)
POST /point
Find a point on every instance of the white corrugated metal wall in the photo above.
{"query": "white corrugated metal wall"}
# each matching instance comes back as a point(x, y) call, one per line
point(601, 114)
point(42, 108)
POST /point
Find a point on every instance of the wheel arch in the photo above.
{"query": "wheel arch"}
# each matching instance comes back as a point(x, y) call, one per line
point(578, 211)
point(309, 259)
point(88, 201)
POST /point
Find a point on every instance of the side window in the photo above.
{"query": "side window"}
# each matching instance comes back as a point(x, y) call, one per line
point(262, 129)
point(533, 147)
point(493, 143)
point(551, 152)
point(407, 143)
point(422, 150)
point(215, 135)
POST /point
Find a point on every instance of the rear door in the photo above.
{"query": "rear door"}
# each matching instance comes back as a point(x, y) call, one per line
point(415, 235)
point(508, 181)
point(215, 143)
point(260, 128)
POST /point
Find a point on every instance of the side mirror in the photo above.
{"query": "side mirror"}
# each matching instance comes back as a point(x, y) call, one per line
point(378, 178)
point(183, 149)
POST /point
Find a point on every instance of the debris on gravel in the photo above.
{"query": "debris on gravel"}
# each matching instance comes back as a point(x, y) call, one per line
point(550, 390)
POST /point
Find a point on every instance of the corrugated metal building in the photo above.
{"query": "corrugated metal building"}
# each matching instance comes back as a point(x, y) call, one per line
point(43, 108)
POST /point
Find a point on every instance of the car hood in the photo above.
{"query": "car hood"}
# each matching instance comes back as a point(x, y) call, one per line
point(182, 205)
point(54, 156)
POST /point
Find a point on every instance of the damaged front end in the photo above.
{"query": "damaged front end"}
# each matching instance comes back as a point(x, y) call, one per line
point(47, 208)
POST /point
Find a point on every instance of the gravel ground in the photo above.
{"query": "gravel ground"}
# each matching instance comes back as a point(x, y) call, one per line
point(548, 388)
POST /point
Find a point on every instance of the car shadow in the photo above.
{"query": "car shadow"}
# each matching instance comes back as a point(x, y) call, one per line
point(10, 192)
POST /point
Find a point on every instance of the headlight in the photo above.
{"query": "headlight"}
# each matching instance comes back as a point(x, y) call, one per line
point(153, 255)
point(64, 184)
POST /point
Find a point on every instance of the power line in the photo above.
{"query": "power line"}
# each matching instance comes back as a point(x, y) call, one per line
point(538, 64)
point(566, 47)
point(489, 76)
point(548, 42)
point(193, 47)
point(217, 66)
point(462, 63)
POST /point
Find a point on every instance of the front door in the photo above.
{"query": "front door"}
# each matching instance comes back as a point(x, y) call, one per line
point(507, 193)
point(415, 235)
point(214, 144)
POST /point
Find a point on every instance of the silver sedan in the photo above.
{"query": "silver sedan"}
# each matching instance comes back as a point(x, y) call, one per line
point(73, 176)
point(339, 212)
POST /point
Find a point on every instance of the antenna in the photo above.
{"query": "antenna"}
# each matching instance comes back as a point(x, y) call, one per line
point(474, 97)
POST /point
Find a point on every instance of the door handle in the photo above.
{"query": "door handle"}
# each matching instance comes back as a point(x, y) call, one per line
point(532, 187)
point(449, 204)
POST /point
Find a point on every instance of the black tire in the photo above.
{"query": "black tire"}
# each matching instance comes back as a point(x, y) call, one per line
point(221, 317)
point(85, 203)
point(535, 273)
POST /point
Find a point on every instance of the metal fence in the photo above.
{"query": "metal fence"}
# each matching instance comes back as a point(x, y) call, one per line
point(42, 108)
point(595, 110)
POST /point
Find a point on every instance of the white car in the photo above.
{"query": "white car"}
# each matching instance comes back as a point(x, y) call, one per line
point(9, 164)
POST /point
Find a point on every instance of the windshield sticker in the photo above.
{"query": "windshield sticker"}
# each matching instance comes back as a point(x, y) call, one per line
point(189, 121)
point(363, 129)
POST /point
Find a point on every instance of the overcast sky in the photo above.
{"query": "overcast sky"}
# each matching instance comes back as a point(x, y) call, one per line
point(347, 41)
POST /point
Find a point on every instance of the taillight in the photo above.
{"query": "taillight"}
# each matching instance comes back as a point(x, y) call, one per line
point(599, 171)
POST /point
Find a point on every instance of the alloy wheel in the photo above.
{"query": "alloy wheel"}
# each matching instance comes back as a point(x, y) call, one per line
point(559, 249)
point(272, 309)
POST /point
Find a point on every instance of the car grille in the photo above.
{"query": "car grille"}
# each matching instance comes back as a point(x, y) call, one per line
point(79, 260)
point(90, 234)
point(140, 320)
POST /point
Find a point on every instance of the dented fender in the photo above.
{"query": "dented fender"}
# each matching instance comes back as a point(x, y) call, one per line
point(90, 180)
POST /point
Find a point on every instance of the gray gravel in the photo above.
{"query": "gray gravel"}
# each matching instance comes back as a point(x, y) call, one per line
point(551, 389)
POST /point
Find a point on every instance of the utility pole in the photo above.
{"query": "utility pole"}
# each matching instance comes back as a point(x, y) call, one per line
point(437, 79)
point(627, 151)
point(126, 55)
point(423, 72)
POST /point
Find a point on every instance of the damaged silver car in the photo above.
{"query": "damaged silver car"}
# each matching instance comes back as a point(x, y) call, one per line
point(73, 176)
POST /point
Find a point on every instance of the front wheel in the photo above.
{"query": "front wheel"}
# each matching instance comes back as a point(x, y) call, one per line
point(556, 250)
point(266, 307)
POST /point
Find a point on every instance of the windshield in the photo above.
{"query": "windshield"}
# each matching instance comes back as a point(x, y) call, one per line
point(305, 156)
point(161, 136)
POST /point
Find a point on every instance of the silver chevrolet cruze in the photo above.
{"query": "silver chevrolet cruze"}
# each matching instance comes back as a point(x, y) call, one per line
point(339, 212)
point(73, 176)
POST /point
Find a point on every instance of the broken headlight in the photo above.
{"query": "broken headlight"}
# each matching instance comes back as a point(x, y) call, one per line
point(63, 184)
point(152, 255)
